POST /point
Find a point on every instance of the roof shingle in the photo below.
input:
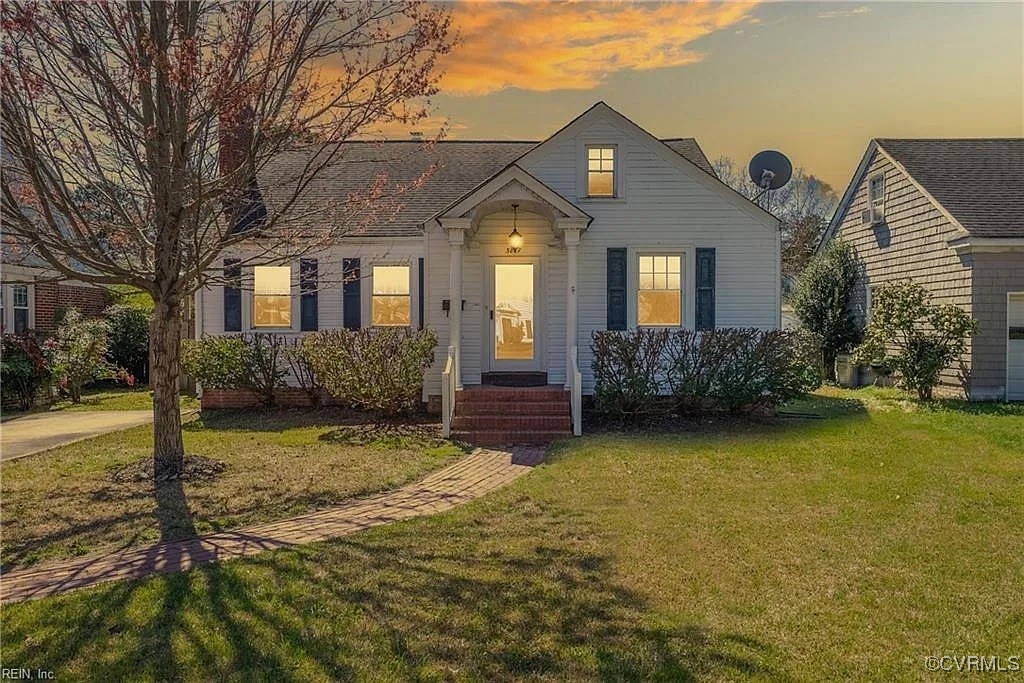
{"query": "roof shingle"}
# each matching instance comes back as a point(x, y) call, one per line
point(980, 181)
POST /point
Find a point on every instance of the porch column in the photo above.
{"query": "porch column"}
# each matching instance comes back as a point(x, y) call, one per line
point(456, 239)
point(572, 243)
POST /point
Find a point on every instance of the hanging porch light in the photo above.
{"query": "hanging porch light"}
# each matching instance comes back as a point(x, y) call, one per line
point(515, 238)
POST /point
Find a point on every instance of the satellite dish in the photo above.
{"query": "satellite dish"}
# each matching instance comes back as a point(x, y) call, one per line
point(770, 170)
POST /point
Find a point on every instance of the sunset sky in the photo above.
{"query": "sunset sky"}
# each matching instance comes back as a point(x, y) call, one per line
point(815, 80)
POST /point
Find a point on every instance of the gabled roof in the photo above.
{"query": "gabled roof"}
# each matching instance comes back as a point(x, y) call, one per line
point(978, 180)
point(514, 173)
point(461, 166)
point(977, 183)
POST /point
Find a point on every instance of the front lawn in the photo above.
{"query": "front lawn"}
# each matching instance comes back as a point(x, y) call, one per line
point(119, 398)
point(851, 547)
point(70, 500)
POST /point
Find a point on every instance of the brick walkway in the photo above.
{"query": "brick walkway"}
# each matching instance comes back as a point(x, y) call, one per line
point(477, 474)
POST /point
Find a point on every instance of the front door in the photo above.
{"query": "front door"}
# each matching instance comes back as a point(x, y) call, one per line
point(514, 316)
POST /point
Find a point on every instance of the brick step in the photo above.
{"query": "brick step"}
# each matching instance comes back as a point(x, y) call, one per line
point(489, 393)
point(512, 407)
point(524, 423)
point(510, 437)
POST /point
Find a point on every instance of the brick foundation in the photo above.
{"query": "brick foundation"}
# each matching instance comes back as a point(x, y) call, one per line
point(286, 397)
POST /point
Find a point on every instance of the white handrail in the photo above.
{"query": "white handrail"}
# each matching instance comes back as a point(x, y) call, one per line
point(448, 393)
point(576, 394)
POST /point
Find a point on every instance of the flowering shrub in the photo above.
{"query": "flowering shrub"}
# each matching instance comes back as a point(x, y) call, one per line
point(910, 335)
point(378, 369)
point(24, 369)
point(79, 351)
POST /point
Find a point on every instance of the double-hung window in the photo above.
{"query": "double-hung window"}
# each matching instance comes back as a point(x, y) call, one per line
point(392, 300)
point(660, 292)
point(600, 171)
point(272, 300)
point(19, 302)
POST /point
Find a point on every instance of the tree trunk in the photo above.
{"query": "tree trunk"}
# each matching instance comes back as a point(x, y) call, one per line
point(164, 372)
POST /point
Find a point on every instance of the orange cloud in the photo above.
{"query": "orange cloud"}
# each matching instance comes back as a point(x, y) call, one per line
point(574, 45)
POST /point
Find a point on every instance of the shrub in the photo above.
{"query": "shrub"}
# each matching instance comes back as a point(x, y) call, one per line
point(298, 355)
point(913, 337)
point(822, 300)
point(263, 360)
point(738, 369)
point(79, 354)
point(378, 369)
point(129, 340)
point(24, 370)
point(627, 373)
point(217, 362)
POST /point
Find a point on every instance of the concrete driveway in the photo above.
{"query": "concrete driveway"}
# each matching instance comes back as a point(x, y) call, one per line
point(30, 434)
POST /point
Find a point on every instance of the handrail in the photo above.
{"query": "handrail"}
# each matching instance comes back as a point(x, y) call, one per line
point(448, 393)
point(576, 394)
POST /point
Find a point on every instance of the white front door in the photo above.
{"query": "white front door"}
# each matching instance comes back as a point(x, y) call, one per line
point(1015, 347)
point(514, 316)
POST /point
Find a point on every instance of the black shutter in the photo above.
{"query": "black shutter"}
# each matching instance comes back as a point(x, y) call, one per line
point(351, 300)
point(420, 290)
point(617, 289)
point(705, 289)
point(308, 306)
point(232, 295)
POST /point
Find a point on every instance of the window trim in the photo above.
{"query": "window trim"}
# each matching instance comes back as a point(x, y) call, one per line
point(614, 172)
point(687, 284)
point(409, 295)
point(7, 323)
point(582, 184)
point(291, 301)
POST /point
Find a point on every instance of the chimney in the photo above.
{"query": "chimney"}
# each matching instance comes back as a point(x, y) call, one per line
point(235, 138)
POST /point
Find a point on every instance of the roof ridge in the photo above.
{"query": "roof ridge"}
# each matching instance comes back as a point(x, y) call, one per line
point(982, 139)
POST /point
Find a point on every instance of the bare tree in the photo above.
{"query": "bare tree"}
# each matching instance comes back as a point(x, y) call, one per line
point(127, 105)
point(804, 206)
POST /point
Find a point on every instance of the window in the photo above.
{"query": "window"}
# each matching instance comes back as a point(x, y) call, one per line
point(600, 171)
point(272, 301)
point(19, 296)
point(660, 297)
point(391, 299)
point(876, 192)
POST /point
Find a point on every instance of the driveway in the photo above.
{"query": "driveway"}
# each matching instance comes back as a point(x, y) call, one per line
point(30, 434)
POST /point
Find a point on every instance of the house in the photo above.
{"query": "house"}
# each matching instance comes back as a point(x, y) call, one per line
point(514, 253)
point(32, 294)
point(949, 214)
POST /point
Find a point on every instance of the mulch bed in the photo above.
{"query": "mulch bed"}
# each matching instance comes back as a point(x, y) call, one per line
point(197, 468)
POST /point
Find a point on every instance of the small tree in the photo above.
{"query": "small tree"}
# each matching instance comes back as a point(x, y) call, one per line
point(822, 300)
point(914, 337)
point(79, 352)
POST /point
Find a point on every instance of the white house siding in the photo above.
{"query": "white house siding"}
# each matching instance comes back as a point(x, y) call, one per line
point(910, 244)
point(665, 208)
point(398, 251)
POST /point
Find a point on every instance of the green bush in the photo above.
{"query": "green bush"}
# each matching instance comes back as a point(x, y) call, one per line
point(263, 360)
point(741, 369)
point(822, 300)
point(24, 370)
point(298, 355)
point(377, 369)
point(731, 370)
point(128, 346)
point(79, 353)
point(217, 362)
point(914, 337)
point(627, 373)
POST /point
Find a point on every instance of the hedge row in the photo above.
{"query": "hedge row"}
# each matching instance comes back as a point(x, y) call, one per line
point(643, 373)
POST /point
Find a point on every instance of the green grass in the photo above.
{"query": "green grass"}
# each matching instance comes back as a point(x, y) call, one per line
point(850, 547)
point(118, 399)
point(64, 502)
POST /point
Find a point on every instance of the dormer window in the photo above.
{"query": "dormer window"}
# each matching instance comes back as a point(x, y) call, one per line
point(600, 171)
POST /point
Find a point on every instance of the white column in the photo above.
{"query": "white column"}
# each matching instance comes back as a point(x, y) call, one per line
point(456, 239)
point(572, 243)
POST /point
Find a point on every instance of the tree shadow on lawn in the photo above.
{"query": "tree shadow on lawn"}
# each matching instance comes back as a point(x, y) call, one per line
point(531, 608)
point(279, 419)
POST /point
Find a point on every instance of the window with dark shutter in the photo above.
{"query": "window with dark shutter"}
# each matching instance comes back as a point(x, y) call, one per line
point(232, 295)
point(351, 298)
point(705, 317)
point(308, 305)
point(617, 289)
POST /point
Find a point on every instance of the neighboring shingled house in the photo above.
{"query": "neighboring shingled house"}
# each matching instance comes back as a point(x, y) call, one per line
point(949, 214)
